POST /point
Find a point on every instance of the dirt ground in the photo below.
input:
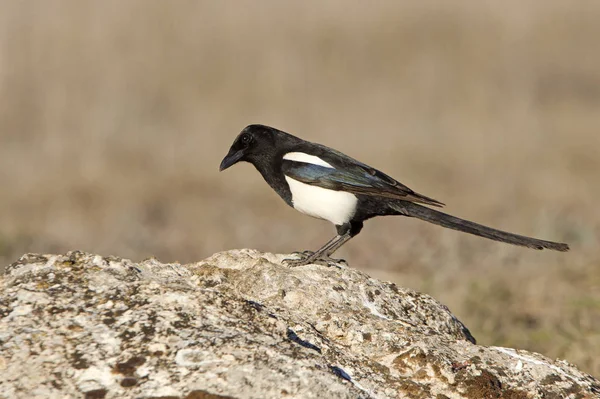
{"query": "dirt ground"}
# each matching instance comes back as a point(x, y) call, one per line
point(114, 116)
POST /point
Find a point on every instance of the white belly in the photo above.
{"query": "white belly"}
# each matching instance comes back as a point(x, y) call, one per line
point(336, 206)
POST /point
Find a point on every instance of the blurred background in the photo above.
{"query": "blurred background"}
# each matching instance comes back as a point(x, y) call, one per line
point(114, 116)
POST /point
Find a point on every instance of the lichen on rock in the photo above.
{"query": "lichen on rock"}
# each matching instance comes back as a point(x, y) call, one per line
point(242, 325)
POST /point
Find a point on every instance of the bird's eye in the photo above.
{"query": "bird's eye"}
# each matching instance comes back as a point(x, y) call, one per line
point(246, 139)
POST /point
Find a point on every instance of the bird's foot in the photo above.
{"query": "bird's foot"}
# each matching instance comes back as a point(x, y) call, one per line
point(310, 258)
point(331, 262)
point(303, 258)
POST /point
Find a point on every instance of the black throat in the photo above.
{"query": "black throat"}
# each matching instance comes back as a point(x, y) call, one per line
point(269, 166)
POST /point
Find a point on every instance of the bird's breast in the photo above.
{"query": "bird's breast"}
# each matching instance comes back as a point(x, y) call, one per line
point(338, 207)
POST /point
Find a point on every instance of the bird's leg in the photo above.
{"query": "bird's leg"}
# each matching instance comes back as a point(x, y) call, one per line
point(320, 256)
point(307, 257)
point(323, 255)
point(306, 254)
point(336, 245)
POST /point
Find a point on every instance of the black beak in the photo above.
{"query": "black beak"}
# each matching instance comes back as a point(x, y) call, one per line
point(230, 159)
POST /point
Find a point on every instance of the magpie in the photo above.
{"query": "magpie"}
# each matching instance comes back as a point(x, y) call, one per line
point(326, 184)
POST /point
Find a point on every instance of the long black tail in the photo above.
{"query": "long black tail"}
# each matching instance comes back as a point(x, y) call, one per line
point(436, 217)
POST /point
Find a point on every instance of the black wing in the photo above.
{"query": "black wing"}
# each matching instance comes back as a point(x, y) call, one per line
point(351, 176)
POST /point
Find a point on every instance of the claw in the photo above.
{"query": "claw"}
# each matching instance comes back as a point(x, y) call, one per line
point(331, 262)
point(304, 258)
point(308, 258)
point(296, 262)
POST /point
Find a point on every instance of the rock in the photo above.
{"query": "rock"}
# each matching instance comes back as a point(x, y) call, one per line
point(242, 325)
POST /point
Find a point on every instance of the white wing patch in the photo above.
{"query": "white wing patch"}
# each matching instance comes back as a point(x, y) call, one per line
point(306, 158)
point(336, 206)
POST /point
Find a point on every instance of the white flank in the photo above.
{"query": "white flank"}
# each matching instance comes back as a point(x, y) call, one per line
point(336, 206)
point(302, 157)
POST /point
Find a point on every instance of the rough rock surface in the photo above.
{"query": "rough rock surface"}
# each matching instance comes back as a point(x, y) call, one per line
point(240, 324)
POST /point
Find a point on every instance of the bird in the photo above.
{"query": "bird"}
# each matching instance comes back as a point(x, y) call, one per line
point(324, 183)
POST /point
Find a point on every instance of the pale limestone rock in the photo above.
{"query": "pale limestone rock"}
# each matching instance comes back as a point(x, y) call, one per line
point(240, 324)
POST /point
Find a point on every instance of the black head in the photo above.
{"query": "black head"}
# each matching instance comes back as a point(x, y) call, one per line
point(253, 143)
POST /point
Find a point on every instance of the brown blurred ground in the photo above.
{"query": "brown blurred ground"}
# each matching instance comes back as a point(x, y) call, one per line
point(114, 116)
